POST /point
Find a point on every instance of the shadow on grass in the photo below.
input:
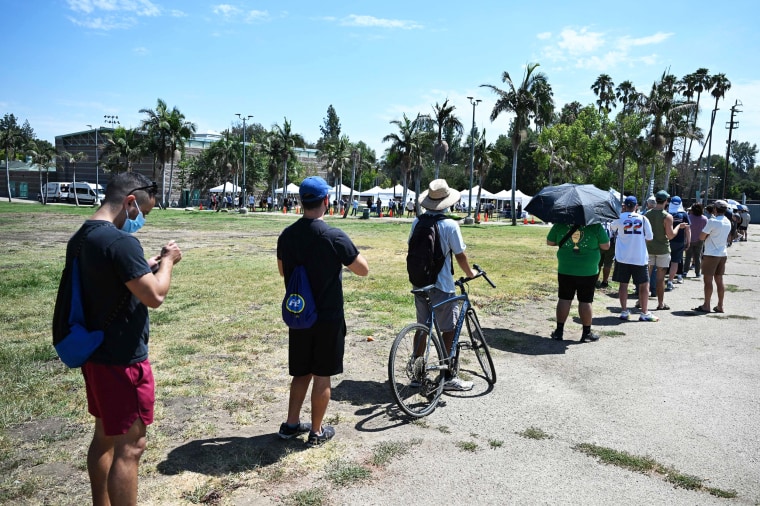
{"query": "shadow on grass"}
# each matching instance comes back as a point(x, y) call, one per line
point(225, 455)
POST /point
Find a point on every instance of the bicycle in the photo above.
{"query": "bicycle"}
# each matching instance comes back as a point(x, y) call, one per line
point(417, 364)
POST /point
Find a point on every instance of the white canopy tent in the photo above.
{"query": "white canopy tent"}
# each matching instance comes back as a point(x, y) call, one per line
point(292, 189)
point(386, 194)
point(345, 191)
point(484, 194)
point(225, 188)
point(372, 192)
point(520, 197)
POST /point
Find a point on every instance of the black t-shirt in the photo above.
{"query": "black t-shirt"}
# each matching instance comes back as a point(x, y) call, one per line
point(108, 259)
point(324, 251)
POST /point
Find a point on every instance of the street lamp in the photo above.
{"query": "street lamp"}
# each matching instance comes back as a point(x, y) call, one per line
point(244, 118)
point(474, 101)
point(97, 164)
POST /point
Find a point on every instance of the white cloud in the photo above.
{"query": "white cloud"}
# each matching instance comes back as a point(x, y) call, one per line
point(176, 13)
point(106, 23)
point(585, 49)
point(117, 14)
point(372, 22)
point(575, 42)
point(544, 35)
point(226, 10)
point(256, 16)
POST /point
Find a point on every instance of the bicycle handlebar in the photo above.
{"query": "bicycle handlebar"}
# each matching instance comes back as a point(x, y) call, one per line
point(481, 273)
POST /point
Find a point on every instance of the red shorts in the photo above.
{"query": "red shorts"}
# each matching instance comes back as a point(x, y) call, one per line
point(118, 394)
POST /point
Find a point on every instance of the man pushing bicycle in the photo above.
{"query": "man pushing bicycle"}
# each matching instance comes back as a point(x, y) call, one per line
point(429, 263)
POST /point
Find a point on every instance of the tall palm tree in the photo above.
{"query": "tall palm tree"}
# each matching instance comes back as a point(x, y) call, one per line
point(604, 88)
point(156, 135)
point(287, 141)
point(177, 130)
point(533, 96)
point(336, 156)
point(700, 82)
point(627, 95)
point(226, 152)
point(486, 156)
point(407, 143)
point(73, 158)
point(126, 143)
point(43, 155)
point(11, 139)
point(443, 118)
point(719, 85)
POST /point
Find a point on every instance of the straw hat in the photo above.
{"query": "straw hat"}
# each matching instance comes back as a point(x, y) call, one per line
point(438, 196)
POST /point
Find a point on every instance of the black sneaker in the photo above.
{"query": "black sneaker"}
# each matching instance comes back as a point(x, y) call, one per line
point(288, 432)
point(317, 439)
point(557, 336)
point(589, 337)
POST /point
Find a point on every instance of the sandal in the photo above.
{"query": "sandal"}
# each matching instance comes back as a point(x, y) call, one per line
point(717, 310)
point(664, 307)
point(700, 309)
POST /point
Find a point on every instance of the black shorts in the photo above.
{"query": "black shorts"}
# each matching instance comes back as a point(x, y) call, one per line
point(624, 272)
point(583, 285)
point(317, 350)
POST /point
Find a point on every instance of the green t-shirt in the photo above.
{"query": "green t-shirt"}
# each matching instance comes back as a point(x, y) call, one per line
point(659, 245)
point(583, 261)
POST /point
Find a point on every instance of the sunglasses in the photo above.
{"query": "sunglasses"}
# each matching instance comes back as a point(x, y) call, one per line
point(151, 189)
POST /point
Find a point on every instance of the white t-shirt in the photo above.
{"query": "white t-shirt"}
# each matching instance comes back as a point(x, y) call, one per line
point(718, 227)
point(452, 244)
point(633, 231)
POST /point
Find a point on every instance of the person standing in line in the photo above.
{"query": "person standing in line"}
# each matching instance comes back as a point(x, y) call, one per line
point(436, 200)
point(578, 256)
point(631, 257)
point(315, 354)
point(659, 246)
point(697, 222)
point(608, 258)
point(118, 287)
point(715, 235)
point(746, 218)
point(679, 242)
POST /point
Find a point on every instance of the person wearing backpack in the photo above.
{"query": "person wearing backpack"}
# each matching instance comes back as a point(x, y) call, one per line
point(433, 240)
point(118, 286)
point(316, 353)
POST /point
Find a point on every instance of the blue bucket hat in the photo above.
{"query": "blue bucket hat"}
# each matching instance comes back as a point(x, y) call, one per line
point(313, 189)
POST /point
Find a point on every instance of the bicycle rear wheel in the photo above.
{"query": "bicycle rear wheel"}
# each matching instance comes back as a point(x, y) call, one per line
point(480, 347)
point(416, 370)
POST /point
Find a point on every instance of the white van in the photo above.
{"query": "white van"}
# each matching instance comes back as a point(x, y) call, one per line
point(55, 192)
point(86, 193)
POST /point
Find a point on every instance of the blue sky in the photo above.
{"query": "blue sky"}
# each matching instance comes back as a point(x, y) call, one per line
point(67, 63)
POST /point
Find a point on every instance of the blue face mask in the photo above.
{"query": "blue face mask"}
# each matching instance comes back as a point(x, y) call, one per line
point(131, 226)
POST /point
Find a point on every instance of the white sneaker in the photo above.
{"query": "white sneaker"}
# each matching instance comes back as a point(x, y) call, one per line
point(624, 315)
point(456, 384)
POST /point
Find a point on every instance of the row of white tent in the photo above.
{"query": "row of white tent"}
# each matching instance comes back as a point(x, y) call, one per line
point(386, 194)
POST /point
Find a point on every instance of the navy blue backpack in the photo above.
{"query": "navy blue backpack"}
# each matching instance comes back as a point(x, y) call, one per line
point(299, 311)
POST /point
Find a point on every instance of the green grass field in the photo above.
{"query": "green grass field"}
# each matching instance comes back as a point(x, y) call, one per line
point(219, 330)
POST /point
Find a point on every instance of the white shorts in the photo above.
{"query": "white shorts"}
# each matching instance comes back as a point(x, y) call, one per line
point(662, 261)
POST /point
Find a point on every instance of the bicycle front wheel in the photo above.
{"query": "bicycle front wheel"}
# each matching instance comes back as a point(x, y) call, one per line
point(416, 370)
point(480, 347)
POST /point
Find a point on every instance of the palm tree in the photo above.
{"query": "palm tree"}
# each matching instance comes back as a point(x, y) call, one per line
point(486, 156)
point(123, 143)
point(407, 143)
point(444, 118)
point(156, 134)
point(628, 96)
point(43, 155)
point(532, 97)
point(696, 82)
point(73, 159)
point(287, 141)
point(603, 88)
point(719, 85)
point(336, 157)
point(226, 152)
point(11, 139)
point(178, 130)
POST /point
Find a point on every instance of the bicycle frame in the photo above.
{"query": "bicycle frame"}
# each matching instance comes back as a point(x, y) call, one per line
point(432, 324)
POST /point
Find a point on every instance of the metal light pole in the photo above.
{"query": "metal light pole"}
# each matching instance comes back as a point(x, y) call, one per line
point(468, 220)
point(731, 126)
point(97, 165)
point(709, 155)
point(244, 202)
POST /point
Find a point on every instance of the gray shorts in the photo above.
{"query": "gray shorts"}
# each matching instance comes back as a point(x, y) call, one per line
point(662, 261)
point(446, 315)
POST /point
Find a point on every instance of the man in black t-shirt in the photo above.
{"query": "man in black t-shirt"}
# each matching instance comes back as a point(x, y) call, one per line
point(117, 284)
point(316, 353)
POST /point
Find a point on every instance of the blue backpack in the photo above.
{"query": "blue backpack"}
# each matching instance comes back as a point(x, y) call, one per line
point(299, 311)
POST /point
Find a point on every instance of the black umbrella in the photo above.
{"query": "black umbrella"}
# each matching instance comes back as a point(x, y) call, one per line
point(577, 204)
